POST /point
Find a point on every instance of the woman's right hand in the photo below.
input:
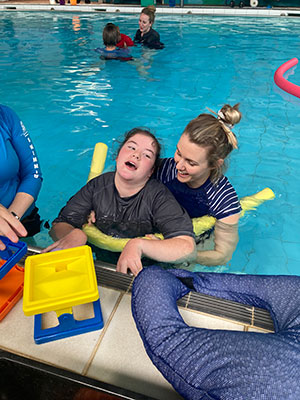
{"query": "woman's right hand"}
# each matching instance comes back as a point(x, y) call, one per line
point(73, 239)
point(10, 227)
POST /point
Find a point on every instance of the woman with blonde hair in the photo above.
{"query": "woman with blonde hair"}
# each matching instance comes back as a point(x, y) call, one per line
point(146, 35)
point(195, 177)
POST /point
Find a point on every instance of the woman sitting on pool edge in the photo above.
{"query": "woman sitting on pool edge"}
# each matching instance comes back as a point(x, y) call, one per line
point(146, 35)
point(195, 177)
point(20, 173)
point(129, 204)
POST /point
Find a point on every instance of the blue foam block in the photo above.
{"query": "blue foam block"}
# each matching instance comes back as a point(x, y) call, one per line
point(12, 254)
point(68, 326)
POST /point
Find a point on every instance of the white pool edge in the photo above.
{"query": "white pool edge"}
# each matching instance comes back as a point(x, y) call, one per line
point(128, 9)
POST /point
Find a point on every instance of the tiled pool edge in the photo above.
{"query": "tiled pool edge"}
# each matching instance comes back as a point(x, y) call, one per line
point(241, 314)
point(122, 9)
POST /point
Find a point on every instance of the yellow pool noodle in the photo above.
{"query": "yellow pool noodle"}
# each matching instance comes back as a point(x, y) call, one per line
point(98, 160)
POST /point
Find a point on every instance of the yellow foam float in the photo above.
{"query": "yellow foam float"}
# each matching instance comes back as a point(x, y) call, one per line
point(201, 224)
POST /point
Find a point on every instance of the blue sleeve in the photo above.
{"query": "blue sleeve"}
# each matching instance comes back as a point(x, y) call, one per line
point(166, 170)
point(29, 171)
point(123, 53)
point(223, 199)
point(99, 50)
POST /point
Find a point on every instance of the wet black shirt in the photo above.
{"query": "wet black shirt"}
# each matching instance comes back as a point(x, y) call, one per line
point(150, 39)
point(153, 209)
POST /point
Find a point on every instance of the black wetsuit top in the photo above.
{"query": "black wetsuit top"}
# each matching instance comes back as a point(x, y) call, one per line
point(153, 209)
point(150, 39)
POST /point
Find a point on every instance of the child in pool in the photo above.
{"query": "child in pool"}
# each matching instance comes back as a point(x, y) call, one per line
point(124, 40)
point(111, 39)
point(127, 203)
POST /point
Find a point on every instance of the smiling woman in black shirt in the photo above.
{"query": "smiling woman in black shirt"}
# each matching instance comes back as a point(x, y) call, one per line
point(145, 34)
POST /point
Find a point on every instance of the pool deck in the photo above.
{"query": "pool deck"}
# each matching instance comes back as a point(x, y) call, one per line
point(44, 5)
point(115, 354)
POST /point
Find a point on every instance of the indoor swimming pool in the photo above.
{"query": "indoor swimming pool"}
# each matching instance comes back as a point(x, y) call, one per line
point(69, 99)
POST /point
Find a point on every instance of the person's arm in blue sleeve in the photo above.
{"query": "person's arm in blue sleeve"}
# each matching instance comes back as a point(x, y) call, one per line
point(29, 172)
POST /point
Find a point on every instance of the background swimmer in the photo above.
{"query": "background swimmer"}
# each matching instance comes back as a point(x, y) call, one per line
point(146, 35)
point(111, 38)
point(124, 40)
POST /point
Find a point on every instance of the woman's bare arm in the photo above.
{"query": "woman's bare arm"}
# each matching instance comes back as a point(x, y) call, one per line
point(226, 239)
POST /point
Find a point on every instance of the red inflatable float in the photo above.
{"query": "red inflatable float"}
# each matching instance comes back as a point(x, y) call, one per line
point(282, 82)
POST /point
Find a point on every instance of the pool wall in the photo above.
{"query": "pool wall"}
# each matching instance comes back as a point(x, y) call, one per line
point(163, 9)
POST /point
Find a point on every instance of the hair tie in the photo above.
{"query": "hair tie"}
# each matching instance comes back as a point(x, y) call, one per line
point(221, 117)
point(230, 135)
point(226, 127)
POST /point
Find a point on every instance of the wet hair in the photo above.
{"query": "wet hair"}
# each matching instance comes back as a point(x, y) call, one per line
point(150, 12)
point(145, 132)
point(110, 34)
point(215, 134)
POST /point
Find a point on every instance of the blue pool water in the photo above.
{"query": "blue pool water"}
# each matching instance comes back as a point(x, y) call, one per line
point(69, 100)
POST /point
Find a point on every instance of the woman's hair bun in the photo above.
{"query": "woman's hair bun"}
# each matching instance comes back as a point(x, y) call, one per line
point(230, 115)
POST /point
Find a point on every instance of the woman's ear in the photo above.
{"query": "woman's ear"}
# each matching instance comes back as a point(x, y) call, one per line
point(220, 162)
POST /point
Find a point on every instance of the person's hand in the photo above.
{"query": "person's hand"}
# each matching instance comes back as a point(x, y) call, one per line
point(10, 227)
point(152, 236)
point(92, 218)
point(130, 258)
point(73, 239)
